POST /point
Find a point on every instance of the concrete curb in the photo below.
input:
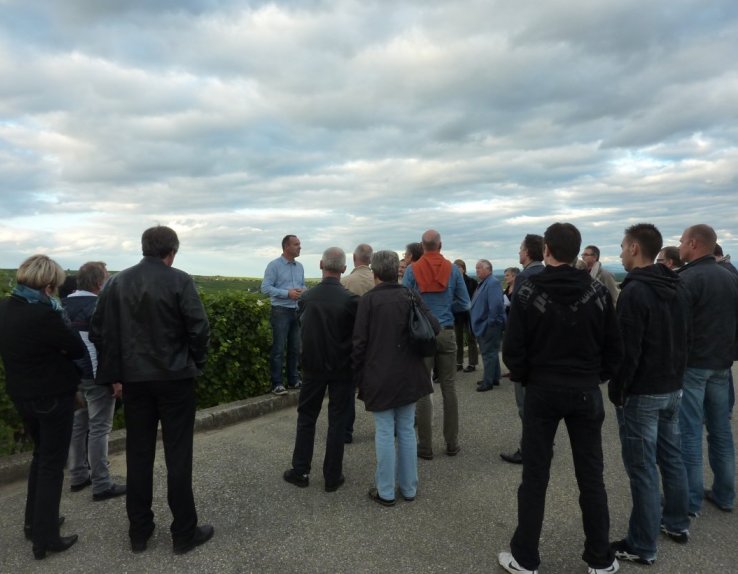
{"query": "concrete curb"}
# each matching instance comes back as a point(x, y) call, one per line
point(15, 467)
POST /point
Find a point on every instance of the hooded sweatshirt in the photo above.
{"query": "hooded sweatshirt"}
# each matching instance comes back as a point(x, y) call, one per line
point(562, 331)
point(653, 310)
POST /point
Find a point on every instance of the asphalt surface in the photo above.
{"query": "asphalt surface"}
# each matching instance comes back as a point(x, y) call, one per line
point(464, 514)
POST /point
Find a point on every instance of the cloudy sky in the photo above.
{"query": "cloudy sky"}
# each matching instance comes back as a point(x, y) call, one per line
point(348, 121)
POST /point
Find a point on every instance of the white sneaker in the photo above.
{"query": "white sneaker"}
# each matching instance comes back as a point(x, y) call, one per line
point(611, 569)
point(509, 563)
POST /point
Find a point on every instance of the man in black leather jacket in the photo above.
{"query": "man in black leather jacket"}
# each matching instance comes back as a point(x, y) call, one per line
point(152, 334)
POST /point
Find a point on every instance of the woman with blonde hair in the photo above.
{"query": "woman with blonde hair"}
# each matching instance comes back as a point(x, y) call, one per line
point(37, 347)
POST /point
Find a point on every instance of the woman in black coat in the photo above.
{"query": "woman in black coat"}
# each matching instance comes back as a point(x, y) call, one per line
point(390, 376)
point(37, 347)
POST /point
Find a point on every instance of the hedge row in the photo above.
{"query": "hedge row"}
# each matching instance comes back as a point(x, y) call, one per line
point(238, 361)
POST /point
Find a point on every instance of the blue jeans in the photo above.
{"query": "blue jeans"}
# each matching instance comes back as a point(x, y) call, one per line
point(285, 330)
point(88, 449)
point(489, 347)
point(649, 434)
point(386, 423)
point(706, 400)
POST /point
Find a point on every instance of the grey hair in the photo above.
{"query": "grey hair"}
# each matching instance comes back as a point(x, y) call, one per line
point(334, 259)
point(487, 263)
point(385, 266)
point(363, 253)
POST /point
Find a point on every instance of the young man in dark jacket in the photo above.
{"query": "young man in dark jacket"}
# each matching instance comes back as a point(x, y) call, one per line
point(327, 313)
point(713, 298)
point(562, 340)
point(653, 311)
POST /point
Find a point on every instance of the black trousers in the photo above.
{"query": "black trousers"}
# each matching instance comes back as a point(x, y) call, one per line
point(172, 403)
point(49, 423)
point(583, 413)
point(340, 397)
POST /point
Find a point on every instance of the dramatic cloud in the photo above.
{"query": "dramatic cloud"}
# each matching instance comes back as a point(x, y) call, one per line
point(348, 122)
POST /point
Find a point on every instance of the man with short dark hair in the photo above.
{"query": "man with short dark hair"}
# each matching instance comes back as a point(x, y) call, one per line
point(152, 334)
point(653, 311)
point(88, 449)
point(562, 340)
point(591, 258)
point(530, 256)
point(442, 288)
point(713, 298)
point(669, 256)
point(327, 313)
point(284, 282)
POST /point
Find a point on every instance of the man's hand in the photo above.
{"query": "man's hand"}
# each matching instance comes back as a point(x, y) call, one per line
point(116, 389)
point(294, 293)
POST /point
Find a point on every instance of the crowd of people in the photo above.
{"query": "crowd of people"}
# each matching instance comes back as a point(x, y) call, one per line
point(562, 324)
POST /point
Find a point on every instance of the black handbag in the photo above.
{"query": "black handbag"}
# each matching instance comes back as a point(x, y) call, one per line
point(421, 337)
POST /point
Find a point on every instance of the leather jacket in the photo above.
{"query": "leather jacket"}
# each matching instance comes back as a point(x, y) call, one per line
point(149, 325)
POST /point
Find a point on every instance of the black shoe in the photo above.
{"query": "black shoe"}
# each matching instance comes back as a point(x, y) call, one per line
point(301, 480)
point(81, 485)
point(202, 535)
point(453, 451)
point(425, 455)
point(496, 383)
point(348, 439)
point(296, 386)
point(624, 552)
point(711, 499)
point(64, 543)
point(139, 544)
point(459, 368)
point(484, 388)
point(28, 529)
point(470, 369)
point(514, 458)
point(335, 486)
point(680, 537)
point(374, 495)
point(408, 498)
point(112, 492)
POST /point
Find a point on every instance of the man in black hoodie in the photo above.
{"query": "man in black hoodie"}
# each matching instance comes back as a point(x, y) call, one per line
point(561, 342)
point(653, 311)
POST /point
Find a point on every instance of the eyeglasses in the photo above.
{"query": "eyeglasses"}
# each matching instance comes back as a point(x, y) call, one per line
point(660, 260)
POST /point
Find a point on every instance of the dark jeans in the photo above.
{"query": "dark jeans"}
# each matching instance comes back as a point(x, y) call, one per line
point(285, 331)
point(649, 435)
point(462, 329)
point(49, 423)
point(340, 395)
point(583, 413)
point(172, 403)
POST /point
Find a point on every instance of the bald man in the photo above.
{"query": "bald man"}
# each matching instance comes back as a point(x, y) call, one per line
point(442, 288)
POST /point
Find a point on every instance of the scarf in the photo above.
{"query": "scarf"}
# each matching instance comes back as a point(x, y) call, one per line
point(34, 296)
point(432, 272)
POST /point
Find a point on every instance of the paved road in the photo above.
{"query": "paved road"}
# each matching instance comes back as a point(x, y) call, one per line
point(464, 514)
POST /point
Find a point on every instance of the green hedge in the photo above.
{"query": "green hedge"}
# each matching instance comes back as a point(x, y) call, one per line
point(238, 361)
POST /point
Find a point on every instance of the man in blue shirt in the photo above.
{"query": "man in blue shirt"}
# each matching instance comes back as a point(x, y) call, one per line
point(442, 288)
point(284, 282)
point(487, 323)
